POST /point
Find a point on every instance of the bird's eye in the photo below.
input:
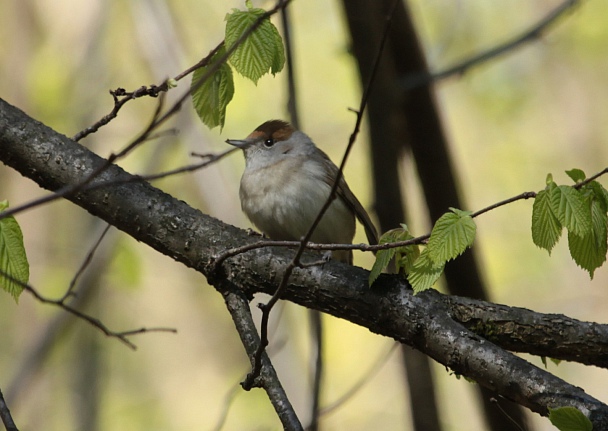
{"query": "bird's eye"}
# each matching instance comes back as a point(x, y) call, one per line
point(269, 142)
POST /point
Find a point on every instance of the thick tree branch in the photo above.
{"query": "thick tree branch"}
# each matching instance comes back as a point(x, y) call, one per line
point(238, 306)
point(424, 321)
point(522, 330)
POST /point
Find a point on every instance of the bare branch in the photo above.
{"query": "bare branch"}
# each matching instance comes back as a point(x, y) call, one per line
point(534, 32)
point(238, 306)
point(85, 263)
point(121, 336)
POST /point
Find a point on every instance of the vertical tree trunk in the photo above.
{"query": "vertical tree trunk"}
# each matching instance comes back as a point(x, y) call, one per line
point(402, 120)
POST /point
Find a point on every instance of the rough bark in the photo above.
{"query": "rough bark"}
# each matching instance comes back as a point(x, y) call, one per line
point(427, 322)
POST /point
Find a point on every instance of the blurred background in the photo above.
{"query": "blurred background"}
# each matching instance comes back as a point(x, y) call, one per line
point(511, 121)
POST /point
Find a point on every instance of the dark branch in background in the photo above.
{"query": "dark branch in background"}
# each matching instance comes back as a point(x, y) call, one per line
point(173, 228)
point(5, 415)
point(266, 308)
point(292, 96)
point(412, 81)
point(402, 121)
point(315, 318)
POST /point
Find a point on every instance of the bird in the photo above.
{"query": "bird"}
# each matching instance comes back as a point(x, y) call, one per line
point(286, 181)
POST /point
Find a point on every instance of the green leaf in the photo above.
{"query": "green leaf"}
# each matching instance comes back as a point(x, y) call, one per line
point(576, 175)
point(425, 272)
point(261, 52)
point(599, 193)
point(383, 257)
point(589, 251)
point(406, 258)
point(451, 235)
point(570, 208)
point(569, 419)
point(546, 228)
point(278, 59)
point(211, 98)
point(14, 267)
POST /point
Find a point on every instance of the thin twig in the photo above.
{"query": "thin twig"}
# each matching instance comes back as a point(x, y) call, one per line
point(266, 308)
point(71, 189)
point(86, 186)
point(155, 90)
point(152, 91)
point(61, 303)
point(85, 263)
point(219, 259)
point(5, 415)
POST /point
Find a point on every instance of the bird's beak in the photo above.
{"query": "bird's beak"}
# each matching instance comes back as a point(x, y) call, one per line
point(239, 143)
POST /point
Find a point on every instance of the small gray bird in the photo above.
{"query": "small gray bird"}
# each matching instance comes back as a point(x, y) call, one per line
point(286, 181)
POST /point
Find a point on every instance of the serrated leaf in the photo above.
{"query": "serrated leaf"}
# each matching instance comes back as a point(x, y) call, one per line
point(589, 251)
point(571, 210)
point(451, 235)
point(424, 273)
point(261, 52)
point(211, 98)
point(577, 175)
point(569, 419)
point(383, 257)
point(14, 267)
point(546, 228)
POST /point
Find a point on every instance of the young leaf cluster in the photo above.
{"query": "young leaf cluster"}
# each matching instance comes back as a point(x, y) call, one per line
point(452, 234)
point(14, 267)
point(404, 256)
point(581, 209)
point(261, 52)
